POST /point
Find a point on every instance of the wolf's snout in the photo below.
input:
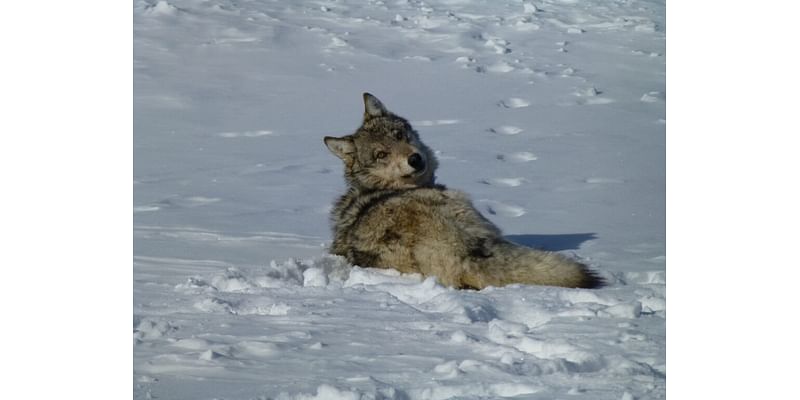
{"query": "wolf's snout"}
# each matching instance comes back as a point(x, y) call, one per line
point(416, 162)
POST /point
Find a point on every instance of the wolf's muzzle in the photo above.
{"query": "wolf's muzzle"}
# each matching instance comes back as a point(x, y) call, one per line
point(416, 161)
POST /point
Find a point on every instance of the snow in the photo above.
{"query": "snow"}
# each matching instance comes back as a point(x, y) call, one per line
point(550, 114)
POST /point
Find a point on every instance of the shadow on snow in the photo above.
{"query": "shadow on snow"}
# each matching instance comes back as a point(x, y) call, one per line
point(558, 242)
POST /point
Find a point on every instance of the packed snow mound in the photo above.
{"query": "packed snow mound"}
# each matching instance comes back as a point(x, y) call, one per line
point(521, 335)
point(331, 272)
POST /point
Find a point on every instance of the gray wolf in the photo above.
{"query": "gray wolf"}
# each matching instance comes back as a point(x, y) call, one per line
point(395, 216)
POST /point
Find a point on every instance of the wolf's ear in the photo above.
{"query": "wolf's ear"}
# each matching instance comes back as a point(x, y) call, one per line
point(342, 147)
point(373, 107)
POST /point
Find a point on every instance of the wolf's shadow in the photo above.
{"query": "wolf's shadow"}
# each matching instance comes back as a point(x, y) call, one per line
point(558, 242)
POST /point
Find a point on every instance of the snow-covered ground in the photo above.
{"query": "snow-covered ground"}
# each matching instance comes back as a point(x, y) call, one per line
point(550, 114)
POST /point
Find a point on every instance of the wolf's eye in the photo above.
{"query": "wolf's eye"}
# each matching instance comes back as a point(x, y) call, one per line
point(380, 154)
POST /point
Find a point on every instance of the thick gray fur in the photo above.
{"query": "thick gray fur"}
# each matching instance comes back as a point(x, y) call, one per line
point(395, 216)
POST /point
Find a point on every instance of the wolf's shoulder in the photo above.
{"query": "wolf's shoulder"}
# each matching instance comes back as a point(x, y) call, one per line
point(354, 205)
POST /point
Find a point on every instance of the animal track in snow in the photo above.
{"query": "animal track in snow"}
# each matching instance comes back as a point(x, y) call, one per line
point(510, 182)
point(522, 156)
point(245, 134)
point(504, 210)
point(514, 102)
point(506, 130)
point(652, 97)
point(436, 122)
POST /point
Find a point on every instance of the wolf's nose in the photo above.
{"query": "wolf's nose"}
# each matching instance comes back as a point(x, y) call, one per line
point(416, 161)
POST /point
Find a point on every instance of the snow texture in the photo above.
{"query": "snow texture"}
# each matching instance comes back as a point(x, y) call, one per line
point(549, 113)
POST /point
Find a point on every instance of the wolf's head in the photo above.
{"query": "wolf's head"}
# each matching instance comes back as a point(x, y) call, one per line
point(384, 153)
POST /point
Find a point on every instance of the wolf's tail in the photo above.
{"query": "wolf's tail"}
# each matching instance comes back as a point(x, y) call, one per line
point(509, 263)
